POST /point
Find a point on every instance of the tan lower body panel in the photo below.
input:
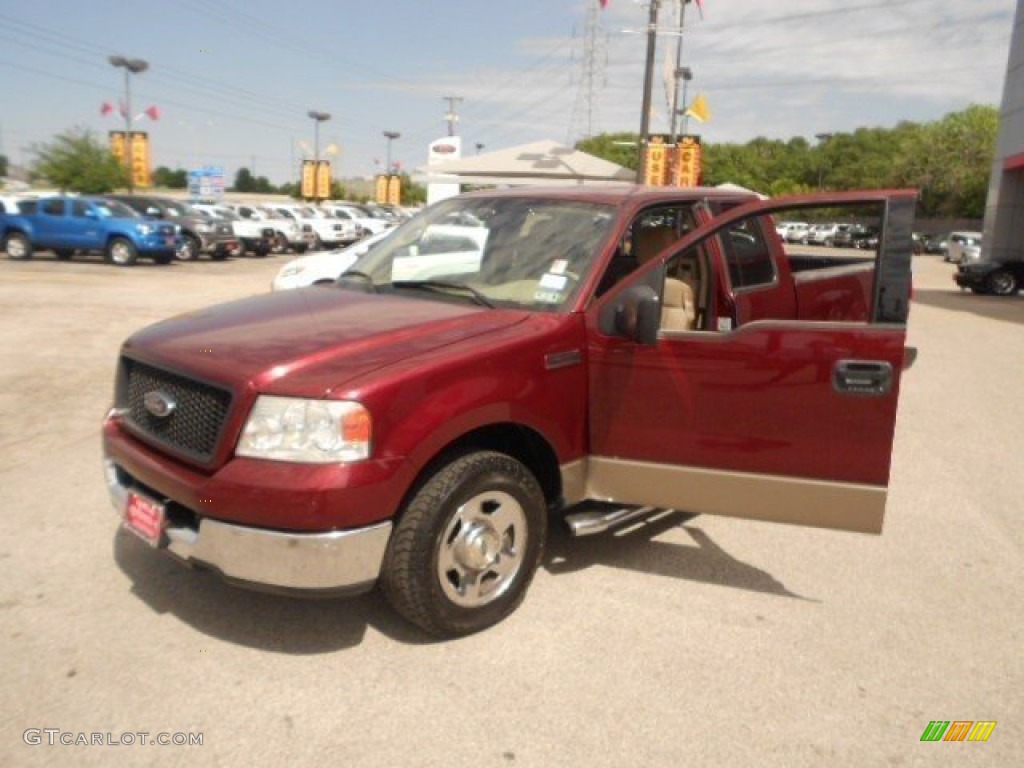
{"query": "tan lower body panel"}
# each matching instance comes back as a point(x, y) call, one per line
point(799, 501)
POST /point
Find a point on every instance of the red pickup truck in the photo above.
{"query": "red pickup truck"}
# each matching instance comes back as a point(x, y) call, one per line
point(504, 358)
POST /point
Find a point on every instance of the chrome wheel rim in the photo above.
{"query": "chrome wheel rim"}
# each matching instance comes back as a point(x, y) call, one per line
point(187, 251)
point(120, 253)
point(1002, 282)
point(16, 248)
point(482, 549)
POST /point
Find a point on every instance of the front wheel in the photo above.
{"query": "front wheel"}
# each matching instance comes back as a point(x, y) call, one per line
point(18, 246)
point(122, 252)
point(467, 545)
point(1002, 282)
point(189, 249)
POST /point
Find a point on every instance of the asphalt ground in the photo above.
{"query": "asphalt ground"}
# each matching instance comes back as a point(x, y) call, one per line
point(696, 641)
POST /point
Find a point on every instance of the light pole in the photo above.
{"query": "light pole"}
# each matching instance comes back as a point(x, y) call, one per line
point(318, 117)
point(687, 75)
point(131, 67)
point(645, 107)
point(390, 136)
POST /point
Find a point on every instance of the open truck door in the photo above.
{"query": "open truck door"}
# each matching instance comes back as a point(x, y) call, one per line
point(782, 419)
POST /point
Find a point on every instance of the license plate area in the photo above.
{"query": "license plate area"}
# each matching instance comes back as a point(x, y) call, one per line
point(146, 518)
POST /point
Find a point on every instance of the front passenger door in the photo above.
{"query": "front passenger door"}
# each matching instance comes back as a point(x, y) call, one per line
point(773, 420)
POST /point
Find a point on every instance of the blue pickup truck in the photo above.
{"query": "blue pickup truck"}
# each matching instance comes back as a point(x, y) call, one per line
point(69, 225)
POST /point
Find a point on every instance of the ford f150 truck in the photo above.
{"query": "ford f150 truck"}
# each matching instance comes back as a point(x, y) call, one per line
point(592, 354)
point(67, 225)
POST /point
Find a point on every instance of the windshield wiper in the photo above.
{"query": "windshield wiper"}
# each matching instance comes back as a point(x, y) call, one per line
point(356, 273)
point(442, 286)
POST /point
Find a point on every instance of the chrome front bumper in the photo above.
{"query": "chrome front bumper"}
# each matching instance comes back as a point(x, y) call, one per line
point(333, 561)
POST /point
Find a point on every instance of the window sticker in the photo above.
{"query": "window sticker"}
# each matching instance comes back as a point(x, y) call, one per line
point(547, 297)
point(554, 282)
point(558, 266)
point(725, 323)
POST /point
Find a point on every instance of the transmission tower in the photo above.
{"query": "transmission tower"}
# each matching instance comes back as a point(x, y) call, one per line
point(593, 62)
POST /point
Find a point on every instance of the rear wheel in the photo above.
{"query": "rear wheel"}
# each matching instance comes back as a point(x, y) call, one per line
point(467, 545)
point(1002, 282)
point(18, 246)
point(122, 252)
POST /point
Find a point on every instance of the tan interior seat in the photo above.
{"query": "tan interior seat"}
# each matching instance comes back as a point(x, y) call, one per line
point(678, 310)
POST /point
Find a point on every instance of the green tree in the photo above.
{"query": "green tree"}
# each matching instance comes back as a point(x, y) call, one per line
point(3, 165)
point(618, 148)
point(77, 161)
point(244, 182)
point(165, 177)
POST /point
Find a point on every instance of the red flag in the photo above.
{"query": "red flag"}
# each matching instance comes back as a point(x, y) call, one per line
point(153, 113)
point(107, 108)
point(700, 9)
point(604, 3)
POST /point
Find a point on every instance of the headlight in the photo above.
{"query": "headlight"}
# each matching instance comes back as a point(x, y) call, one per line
point(306, 431)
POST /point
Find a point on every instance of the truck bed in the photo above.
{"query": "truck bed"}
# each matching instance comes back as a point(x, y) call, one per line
point(829, 288)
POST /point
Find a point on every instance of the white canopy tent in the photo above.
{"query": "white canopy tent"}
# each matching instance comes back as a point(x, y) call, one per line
point(540, 162)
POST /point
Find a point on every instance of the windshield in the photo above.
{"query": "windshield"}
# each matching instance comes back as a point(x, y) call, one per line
point(511, 251)
point(178, 209)
point(114, 210)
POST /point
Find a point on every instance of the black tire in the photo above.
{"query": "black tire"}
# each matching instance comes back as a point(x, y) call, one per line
point(280, 243)
point(190, 248)
point(121, 251)
point(63, 253)
point(18, 247)
point(1002, 282)
point(300, 248)
point(219, 254)
point(457, 562)
point(318, 244)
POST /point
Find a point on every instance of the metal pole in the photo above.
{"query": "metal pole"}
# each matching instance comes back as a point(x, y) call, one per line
point(645, 116)
point(129, 149)
point(678, 70)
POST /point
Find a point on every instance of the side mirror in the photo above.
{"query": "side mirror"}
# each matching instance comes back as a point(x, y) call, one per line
point(638, 314)
point(91, 214)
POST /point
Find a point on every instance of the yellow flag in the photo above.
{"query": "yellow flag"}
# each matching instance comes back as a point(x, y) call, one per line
point(698, 109)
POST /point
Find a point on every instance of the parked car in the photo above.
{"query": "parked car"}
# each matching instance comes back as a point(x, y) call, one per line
point(857, 236)
point(327, 231)
point(793, 231)
point(323, 267)
point(366, 222)
point(70, 225)
point(253, 236)
point(199, 235)
point(288, 234)
point(963, 246)
point(419, 423)
point(1000, 278)
point(824, 234)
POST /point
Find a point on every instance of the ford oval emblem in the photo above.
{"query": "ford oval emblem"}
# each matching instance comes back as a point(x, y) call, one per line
point(444, 149)
point(159, 404)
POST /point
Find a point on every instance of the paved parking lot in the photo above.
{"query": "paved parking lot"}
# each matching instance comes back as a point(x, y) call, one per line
point(681, 642)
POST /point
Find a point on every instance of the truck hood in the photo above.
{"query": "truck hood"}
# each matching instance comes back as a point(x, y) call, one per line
point(309, 341)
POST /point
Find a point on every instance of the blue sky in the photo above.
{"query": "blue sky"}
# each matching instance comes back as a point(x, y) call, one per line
point(234, 79)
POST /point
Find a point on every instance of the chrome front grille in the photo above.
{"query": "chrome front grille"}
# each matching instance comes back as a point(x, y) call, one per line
point(196, 416)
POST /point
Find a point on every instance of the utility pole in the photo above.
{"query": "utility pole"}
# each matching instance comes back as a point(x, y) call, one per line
point(451, 116)
point(679, 71)
point(645, 115)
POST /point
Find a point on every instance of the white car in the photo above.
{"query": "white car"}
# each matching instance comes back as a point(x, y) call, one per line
point(963, 247)
point(255, 236)
point(361, 217)
point(327, 231)
point(324, 267)
point(793, 231)
point(287, 232)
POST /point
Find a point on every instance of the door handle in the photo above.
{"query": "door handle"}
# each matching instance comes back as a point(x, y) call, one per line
point(871, 378)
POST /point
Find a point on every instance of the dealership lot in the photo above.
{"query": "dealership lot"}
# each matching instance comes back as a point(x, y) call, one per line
point(682, 641)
